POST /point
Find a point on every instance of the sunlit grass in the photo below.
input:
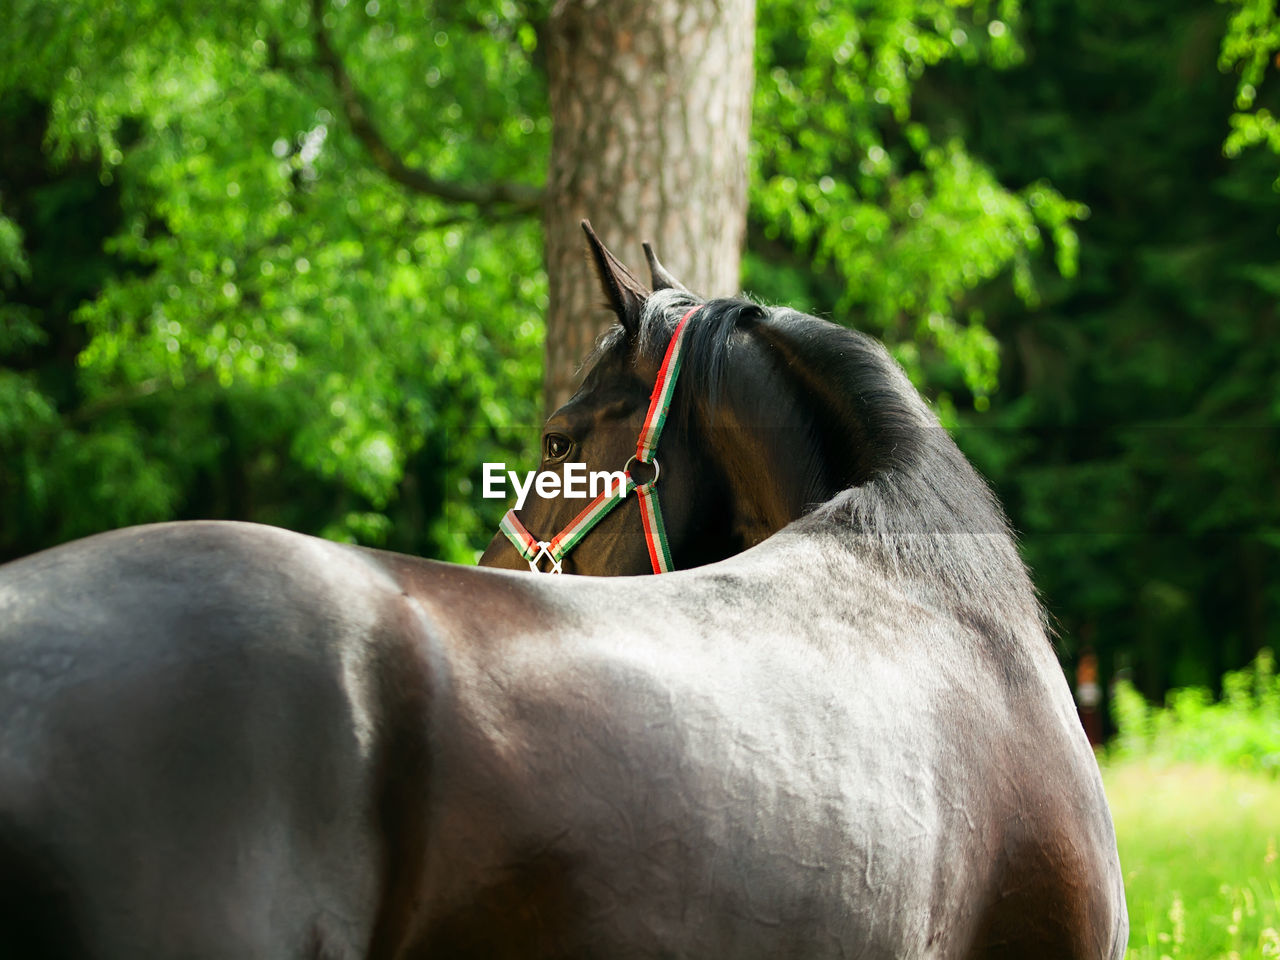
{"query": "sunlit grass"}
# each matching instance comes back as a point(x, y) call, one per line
point(1198, 845)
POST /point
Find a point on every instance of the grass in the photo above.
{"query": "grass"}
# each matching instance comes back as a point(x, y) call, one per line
point(1198, 846)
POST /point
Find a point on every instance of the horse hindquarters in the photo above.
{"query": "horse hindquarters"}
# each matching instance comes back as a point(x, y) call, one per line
point(188, 763)
point(240, 853)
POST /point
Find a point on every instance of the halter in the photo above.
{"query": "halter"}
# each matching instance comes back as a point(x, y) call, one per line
point(655, 534)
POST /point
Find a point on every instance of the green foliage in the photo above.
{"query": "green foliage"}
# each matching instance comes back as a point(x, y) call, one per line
point(1198, 849)
point(1134, 436)
point(261, 323)
point(1251, 41)
point(1241, 729)
point(280, 333)
point(13, 261)
point(908, 218)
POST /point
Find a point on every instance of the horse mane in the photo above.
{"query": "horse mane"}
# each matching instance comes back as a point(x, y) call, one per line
point(908, 500)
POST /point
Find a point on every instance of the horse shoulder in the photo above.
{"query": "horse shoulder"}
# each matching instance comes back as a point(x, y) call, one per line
point(1054, 883)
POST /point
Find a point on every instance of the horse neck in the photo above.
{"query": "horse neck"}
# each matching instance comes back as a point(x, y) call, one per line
point(770, 465)
point(900, 493)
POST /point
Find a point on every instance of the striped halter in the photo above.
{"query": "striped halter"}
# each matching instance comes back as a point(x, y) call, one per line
point(655, 534)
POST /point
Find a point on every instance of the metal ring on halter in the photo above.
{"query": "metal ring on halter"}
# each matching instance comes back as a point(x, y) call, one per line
point(626, 468)
point(544, 550)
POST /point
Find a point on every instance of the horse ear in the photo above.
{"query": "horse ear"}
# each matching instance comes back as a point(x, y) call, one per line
point(626, 294)
point(662, 278)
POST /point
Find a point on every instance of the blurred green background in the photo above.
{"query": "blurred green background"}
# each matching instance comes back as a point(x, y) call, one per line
point(1061, 214)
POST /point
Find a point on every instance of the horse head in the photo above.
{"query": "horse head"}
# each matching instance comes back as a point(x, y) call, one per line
point(738, 458)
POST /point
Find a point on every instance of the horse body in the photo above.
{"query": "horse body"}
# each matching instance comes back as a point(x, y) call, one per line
point(380, 756)
point(845, 735)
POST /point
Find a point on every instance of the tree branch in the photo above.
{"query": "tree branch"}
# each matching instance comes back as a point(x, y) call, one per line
point(520, 197)
point(128, 395)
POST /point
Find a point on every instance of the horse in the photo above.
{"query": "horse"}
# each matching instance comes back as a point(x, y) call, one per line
point(836, 728)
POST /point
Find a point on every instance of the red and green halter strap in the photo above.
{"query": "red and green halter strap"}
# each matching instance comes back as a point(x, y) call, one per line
point(655, 534)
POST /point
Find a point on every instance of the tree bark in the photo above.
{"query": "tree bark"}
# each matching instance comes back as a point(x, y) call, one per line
point(651, 106)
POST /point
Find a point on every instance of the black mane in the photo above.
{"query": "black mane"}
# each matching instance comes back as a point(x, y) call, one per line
point(913, 502)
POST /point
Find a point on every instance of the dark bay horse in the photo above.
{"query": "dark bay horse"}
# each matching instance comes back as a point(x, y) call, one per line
point(852, 739)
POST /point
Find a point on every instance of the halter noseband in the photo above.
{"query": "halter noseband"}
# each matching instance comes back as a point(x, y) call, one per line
point(655, 534)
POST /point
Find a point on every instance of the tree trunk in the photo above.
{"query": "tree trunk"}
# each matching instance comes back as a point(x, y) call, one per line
point(651, 105)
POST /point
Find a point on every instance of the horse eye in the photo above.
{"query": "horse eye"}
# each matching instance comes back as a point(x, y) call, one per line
point(555, 447)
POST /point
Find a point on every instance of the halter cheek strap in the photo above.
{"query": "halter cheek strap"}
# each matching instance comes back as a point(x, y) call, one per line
point(655, 533)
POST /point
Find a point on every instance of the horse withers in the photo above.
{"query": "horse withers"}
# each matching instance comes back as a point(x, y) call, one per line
point(853, 738)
